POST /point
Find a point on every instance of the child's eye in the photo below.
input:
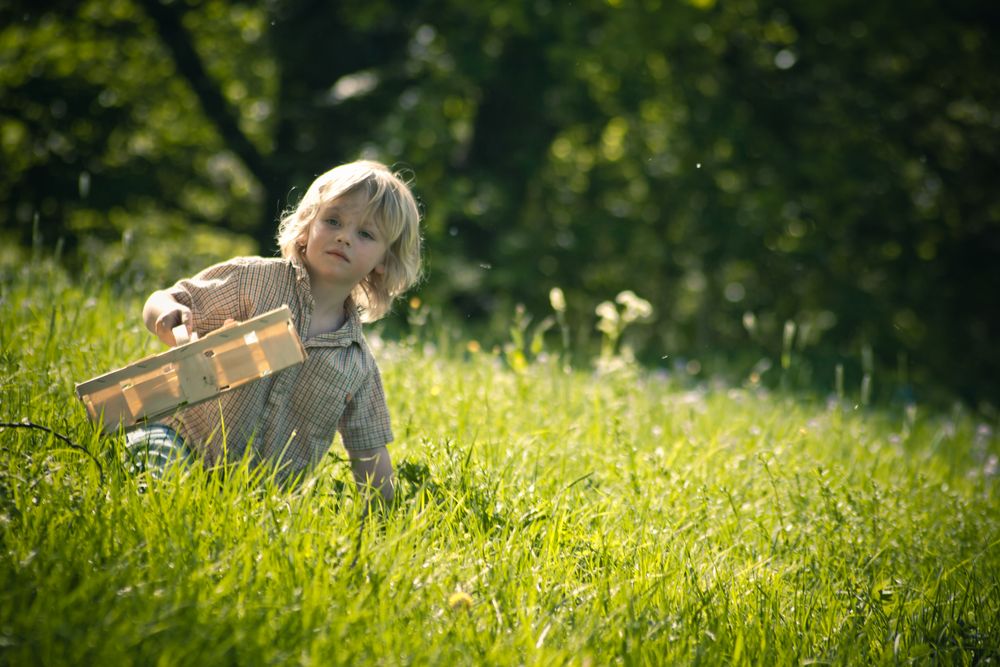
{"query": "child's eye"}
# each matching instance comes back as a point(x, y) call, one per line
point(333, 222)
point(367, 235)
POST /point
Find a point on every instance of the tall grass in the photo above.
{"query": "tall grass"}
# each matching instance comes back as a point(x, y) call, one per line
point(621, 518)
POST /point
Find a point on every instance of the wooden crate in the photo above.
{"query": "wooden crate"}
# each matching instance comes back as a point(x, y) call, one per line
point(198, 371)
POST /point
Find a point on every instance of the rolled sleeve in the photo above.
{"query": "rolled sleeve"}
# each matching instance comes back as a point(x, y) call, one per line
point(365, 422)
point(213, 295)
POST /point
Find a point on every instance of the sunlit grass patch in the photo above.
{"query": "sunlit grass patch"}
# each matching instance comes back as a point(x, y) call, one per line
point(544, 515)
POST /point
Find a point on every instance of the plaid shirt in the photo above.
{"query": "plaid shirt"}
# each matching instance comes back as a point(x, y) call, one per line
point(291, 417)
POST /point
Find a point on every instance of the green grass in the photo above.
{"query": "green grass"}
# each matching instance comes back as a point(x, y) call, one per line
point(623, 519)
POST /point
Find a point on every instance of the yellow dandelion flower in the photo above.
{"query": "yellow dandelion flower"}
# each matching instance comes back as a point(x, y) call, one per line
point(460, 600)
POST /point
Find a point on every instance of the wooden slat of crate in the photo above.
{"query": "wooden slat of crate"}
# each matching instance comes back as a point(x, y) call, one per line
point(198, 371)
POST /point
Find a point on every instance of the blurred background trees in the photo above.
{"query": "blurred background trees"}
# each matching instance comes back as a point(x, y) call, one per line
point(742, 164)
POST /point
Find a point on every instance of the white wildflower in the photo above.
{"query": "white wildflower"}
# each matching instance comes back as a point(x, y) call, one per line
point(636, 308)
point(557, 299)
point(607, 311)
point(609, 318)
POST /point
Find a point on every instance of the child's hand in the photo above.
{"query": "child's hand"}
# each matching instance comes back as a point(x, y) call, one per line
point(175, 316)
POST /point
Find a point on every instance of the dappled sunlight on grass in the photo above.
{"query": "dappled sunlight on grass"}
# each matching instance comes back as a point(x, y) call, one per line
point(544, 515)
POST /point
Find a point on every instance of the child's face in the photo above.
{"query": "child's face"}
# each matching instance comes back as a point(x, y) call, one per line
point(341, 247)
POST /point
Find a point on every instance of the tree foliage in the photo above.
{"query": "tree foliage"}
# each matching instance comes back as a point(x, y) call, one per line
point(740, 164)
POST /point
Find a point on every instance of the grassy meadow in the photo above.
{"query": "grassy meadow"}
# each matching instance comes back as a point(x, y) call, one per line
point(545, 516)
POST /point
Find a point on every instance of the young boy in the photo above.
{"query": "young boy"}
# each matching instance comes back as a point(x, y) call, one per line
point(350, 247)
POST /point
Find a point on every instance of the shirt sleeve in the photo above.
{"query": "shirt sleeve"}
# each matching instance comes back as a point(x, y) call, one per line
point(365, 422)
point(213, 295)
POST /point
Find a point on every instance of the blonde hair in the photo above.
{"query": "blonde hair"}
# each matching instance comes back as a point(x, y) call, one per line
point(391, 207)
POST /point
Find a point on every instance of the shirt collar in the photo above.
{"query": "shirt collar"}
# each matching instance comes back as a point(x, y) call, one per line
point(349, 332)
point(301, 274)
point(351, 326)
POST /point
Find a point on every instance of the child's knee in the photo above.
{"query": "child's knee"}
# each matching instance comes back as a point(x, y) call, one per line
point(153, 449)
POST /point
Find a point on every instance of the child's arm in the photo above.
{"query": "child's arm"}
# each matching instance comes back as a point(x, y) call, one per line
point(162, 313)
point(372, 470)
